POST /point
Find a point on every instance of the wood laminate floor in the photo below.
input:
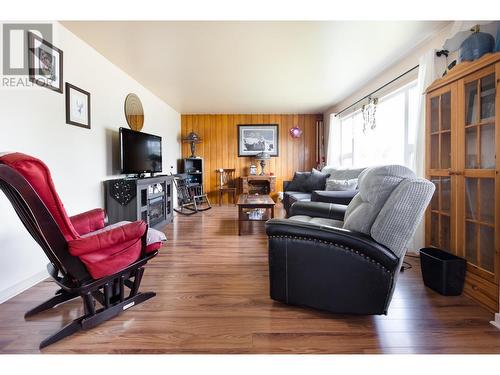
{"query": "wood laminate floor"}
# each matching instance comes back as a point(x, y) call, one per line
point(212, 297)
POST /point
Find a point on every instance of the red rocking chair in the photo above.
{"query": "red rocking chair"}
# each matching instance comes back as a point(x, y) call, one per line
point(87, 259)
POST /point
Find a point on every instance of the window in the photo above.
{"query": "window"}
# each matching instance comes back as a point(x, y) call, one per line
point(393, 139)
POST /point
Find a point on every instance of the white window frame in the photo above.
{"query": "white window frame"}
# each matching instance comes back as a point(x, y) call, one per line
point(409, 148)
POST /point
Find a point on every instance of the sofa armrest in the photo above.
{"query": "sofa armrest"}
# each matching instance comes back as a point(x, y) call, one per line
point(89, 221)
point(334, 196)
point(357, 244)
point(107, 239)
point(319, 209)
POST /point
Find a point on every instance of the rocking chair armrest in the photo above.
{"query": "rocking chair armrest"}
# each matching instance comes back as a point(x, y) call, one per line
point(89, 221)
point(107, 239)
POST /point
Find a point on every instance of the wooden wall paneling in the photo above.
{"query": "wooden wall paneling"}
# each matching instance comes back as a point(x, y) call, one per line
point(310, 138)
point(219, 128)
point(219, 147)
point(237, 119)
point(497, 178)
point(295, 143)
point(306, 133)
point(276, 119)
point(300, 143)
point(207, 145)
point(271, 164)
point(185, 123)
point(290, 166)
point(214, 153)
point(284, 152)
point(225, 153)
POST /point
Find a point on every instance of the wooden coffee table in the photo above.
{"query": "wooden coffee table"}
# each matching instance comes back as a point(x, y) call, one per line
point(254, 208)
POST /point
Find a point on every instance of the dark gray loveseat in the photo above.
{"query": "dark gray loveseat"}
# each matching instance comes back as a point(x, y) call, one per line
point(342, 197)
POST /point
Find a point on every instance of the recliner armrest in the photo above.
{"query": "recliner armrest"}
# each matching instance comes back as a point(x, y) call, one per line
point(107, 239)
point(358, 243)
point(319, 209)
point(334, 196)
point(89, 221)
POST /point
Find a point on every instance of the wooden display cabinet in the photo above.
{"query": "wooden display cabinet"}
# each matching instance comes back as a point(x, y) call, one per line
point(462, 141)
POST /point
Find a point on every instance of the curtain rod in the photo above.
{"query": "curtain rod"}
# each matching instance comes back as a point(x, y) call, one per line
point(378, 89)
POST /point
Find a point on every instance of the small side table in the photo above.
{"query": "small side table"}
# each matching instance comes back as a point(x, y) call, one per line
point(248, 203)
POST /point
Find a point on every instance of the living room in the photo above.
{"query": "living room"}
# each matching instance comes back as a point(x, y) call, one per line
point(247, 185)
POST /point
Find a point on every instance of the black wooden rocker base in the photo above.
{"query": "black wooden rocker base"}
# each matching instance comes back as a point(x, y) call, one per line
point(109, 292)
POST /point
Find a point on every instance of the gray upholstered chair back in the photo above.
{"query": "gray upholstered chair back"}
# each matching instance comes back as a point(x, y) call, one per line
point(389, 206)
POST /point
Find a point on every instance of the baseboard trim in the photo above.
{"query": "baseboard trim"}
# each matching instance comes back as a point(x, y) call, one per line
point(20, 287)
point(496, 322)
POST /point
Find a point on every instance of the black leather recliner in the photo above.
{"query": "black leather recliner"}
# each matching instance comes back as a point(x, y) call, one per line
point(346, 259)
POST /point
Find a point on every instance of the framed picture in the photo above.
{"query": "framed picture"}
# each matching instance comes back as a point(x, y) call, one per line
point(253, 139)
point(45, 63)
point(77, 106)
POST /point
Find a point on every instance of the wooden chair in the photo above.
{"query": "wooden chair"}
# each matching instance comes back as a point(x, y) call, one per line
point(226, 183)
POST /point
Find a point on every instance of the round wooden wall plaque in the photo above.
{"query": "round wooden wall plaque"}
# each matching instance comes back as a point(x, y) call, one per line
point(134, 112)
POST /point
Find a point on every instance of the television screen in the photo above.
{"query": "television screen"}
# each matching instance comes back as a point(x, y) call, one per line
point(139, 152)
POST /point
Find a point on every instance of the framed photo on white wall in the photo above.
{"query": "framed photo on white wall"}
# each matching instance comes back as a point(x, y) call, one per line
point(77, 106)
point(45, 63)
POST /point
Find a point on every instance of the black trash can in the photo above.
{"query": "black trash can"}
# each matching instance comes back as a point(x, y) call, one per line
point(442, 271)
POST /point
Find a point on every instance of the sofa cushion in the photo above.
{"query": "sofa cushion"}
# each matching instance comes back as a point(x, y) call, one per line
point(318, 221)
point(342, 174)
point(316, 180)
point(341, 185)
point(299, 182)
point(307, 181)
point(333, 196)
point(111, 259)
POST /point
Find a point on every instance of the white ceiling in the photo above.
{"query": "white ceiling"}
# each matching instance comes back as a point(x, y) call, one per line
point(253, 67)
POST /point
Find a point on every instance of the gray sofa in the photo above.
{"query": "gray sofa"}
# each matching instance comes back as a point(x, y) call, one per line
point(342, 197)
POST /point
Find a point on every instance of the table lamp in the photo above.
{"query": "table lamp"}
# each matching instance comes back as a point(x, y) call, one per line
point(262, 156)
point(193, 139)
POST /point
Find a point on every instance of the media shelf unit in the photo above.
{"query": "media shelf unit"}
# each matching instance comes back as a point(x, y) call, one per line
point(148, 199)
point(193, 169)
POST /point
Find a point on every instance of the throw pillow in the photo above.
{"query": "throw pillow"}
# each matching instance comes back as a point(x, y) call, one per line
point(299, 182)
point(317, 180)
point(341, 185)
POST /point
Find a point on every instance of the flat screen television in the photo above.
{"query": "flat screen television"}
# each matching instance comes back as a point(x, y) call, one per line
point(139, 152)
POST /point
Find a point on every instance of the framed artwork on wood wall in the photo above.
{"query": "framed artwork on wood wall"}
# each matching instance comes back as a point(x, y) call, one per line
point(253, 139)
point(45, 63)
point(77, 106)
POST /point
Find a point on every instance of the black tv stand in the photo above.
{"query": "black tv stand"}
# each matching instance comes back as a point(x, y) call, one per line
point(135, 198)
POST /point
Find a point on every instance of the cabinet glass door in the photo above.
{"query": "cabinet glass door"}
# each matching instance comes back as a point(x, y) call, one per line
point(479, 164)
point(439, 166)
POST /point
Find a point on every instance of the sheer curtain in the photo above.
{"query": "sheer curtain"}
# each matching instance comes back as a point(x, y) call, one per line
point(430, 68)
point(333, 145)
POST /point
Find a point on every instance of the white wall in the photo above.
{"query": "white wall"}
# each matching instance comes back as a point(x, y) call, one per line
point(32, 120)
